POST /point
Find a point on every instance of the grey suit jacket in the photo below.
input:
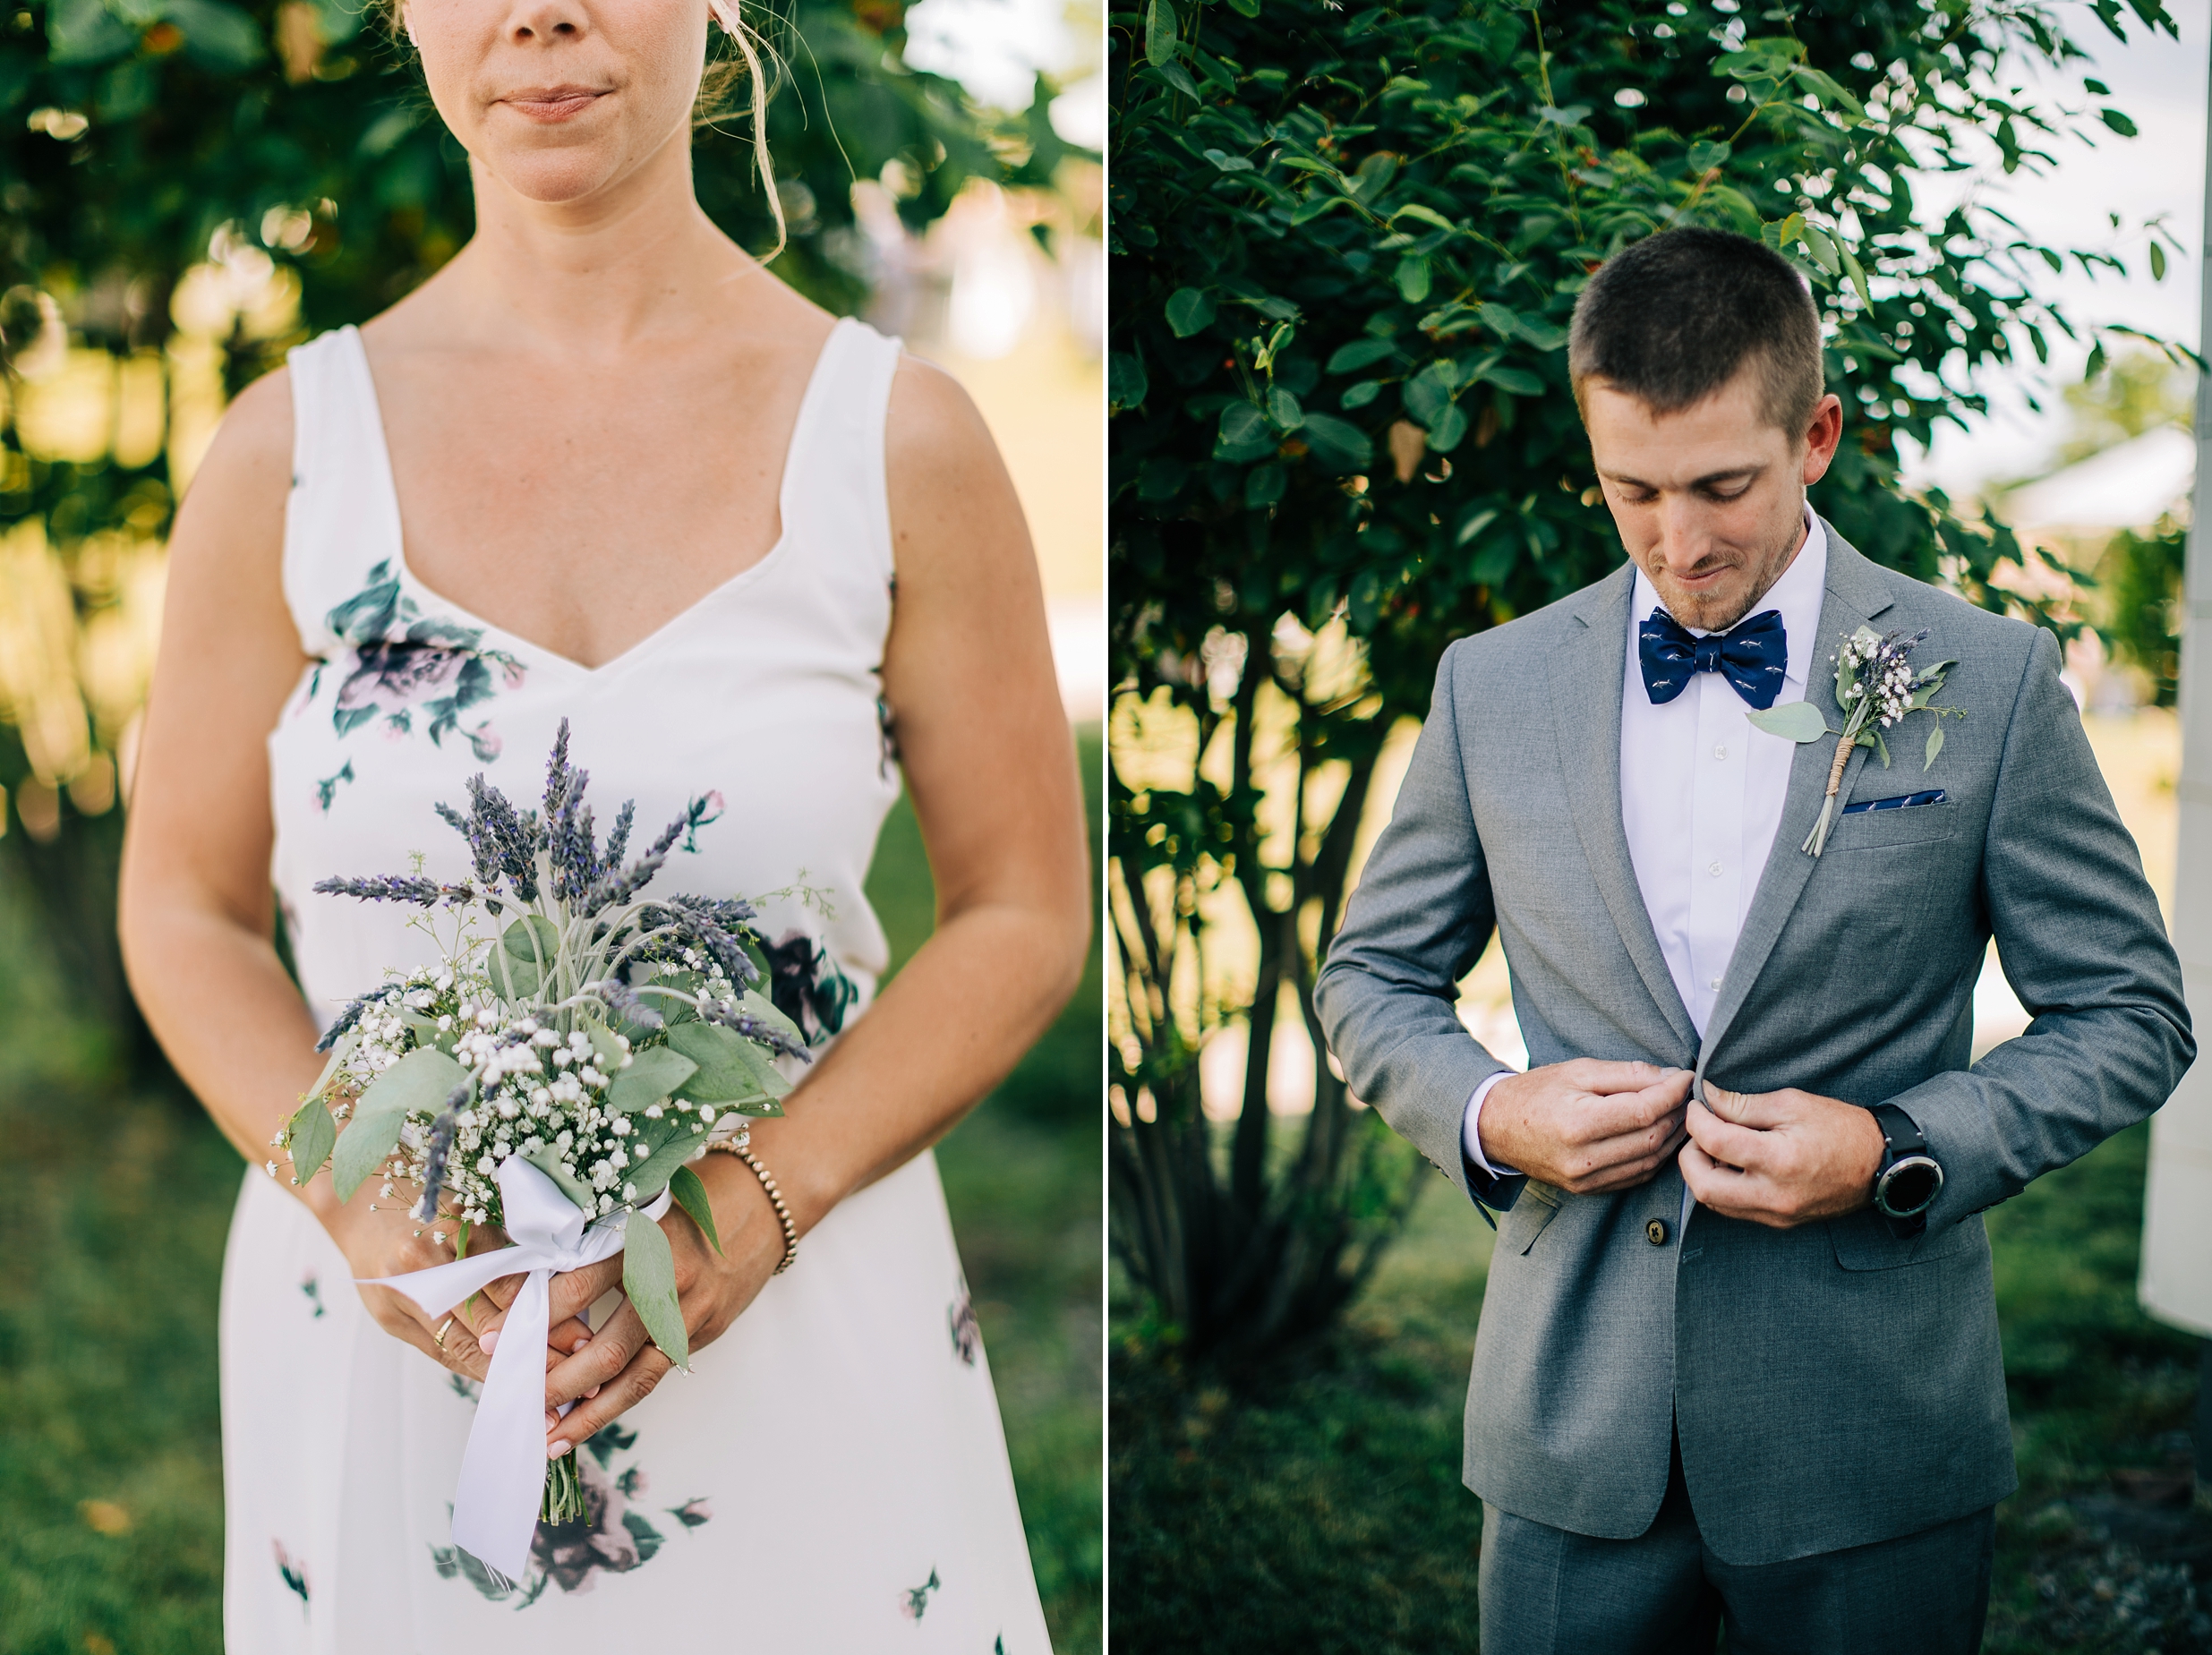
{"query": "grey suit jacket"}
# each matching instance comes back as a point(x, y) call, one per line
point(1831, 1385)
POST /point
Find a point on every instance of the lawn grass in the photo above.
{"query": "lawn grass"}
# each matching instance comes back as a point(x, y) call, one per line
point(1320, 1508)
point(112, 1213)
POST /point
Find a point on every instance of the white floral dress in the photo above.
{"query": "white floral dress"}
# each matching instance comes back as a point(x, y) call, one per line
point(833, 1477)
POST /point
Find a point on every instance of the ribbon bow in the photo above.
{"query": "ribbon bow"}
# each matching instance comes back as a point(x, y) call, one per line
point(1752, 657)
point(495, 1508)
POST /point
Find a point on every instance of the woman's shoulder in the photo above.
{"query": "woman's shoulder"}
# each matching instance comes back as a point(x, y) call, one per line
point(933, 425)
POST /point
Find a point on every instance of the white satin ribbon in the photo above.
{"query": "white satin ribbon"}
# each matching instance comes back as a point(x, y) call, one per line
point(495, 1508)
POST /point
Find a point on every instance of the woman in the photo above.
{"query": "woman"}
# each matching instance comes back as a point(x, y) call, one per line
point(603, 467)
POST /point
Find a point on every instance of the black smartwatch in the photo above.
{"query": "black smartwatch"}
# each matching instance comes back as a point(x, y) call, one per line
point(1910, 1178)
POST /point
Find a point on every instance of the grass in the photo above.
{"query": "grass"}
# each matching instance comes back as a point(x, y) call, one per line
point(112, 1213)
point(1320, 1508)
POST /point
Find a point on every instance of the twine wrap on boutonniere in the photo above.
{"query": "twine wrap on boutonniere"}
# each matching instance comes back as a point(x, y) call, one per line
point(1877, 688)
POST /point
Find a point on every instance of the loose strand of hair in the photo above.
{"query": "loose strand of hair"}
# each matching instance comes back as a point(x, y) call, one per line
point(748, 44)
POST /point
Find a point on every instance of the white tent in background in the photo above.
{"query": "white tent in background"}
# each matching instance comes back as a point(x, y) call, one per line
point(2130, 486)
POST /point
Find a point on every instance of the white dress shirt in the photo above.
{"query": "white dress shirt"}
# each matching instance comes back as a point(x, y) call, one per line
point(1701, 796)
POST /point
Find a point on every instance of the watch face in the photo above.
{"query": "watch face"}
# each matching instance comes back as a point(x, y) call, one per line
point(1908, 1187)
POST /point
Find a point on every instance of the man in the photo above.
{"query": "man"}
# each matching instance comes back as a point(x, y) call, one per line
point(1714, 1379)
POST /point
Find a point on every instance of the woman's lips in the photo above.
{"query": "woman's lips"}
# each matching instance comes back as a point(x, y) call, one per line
point(552, 104)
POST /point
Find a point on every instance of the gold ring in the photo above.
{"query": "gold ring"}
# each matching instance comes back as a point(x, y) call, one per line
point(439, 1338)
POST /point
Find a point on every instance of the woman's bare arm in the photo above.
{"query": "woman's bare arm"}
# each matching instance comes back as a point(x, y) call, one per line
point(990, 766)
point(197, 913)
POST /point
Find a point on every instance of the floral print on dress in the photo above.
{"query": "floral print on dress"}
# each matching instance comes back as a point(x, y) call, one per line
point(967, 1331)
point(615, 1535)
point(407, 664)
point(915, 1600)
point(292, 1570)
point(807, 987)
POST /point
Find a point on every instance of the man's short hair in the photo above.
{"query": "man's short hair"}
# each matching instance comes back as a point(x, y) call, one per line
point(1674, 316)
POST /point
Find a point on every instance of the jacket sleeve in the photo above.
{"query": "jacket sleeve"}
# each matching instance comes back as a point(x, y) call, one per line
point(2080, 940)
point(1420, 919)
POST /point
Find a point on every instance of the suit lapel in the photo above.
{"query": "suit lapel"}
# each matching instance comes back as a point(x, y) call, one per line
point(1855, 595)
point(1587, 674)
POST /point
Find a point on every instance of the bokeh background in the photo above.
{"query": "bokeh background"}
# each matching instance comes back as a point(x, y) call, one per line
point(1285, 1441)
point(187, 188)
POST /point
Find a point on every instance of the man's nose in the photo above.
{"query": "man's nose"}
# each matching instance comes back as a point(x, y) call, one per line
point(1682, 537)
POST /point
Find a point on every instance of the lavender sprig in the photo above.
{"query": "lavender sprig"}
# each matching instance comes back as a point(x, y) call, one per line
point(752, 1028)
point(440, 1148)
point(348, 1018)
point(397, 888)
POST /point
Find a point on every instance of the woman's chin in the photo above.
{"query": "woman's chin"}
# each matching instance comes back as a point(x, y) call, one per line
point(558, 178)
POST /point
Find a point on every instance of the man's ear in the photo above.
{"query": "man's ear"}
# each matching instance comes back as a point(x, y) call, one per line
point(1823, 432)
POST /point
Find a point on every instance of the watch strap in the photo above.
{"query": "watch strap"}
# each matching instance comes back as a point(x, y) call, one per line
point(1901, 1136)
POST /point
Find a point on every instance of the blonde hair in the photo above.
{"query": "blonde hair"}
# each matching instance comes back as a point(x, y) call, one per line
point(718, 81)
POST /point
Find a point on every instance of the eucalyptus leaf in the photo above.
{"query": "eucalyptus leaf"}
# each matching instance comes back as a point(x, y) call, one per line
point(1793, 720)
point(606, 1051)
point(533, 938)
point(649, 1276)
point(651, 1175)
point(418, 1083)
point(548, 1161)
point(653, 1075)
point(339, 1053)
point(732, 1070)
point(1882, 747)
point(313, 1135)
point(690, 1194)
point(1936, 745)
point(515, 981)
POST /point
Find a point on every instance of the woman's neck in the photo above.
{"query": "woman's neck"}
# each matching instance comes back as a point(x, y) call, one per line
point(596, 276)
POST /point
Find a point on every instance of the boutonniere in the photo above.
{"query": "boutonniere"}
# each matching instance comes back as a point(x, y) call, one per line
point(1877, 688)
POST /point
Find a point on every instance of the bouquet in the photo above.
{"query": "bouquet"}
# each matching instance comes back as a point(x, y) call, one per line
point(577, 1045)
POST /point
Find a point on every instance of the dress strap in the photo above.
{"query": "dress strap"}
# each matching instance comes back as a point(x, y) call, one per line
point(834, 489)
point(338, 527)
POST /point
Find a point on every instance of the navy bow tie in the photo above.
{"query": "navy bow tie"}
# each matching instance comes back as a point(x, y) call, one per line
point(1752, 657)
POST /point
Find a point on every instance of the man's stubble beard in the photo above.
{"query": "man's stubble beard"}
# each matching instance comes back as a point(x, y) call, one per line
point(1705, 617)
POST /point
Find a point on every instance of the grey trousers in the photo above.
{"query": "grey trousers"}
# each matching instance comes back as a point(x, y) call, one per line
point(1545, 1591)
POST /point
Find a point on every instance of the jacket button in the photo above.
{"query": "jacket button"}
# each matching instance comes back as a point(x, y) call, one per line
point(1655, 1232)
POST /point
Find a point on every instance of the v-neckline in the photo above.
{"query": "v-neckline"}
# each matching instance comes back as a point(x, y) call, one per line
point(381, 458)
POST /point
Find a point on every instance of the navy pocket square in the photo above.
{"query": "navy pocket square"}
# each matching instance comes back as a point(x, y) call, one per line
point(1903, 801)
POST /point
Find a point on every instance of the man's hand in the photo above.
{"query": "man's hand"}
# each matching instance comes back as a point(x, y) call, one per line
point(1585, 1126)
point(1780, 1158)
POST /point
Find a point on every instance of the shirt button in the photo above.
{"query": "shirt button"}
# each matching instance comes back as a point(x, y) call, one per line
point(1716, 982)
point(1721, 752)
point(1655, 1232)
point(1714, 869)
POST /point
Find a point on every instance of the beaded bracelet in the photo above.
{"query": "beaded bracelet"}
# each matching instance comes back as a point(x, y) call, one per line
point(737, 1146)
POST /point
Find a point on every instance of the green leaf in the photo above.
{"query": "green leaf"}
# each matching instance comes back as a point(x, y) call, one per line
point(1358, 395)
point(690, 1194)
point(1337, 445)
point(649, 1272)
point(1857, 275)
point(339, 1053)
point(653, 1075)
point(1361, 354)
point(650, 1175)
point(1314, 206)
point(312, 1137)
point(1822, 247)
point(1263, 486)
point(1245, 8)
point(1283, 410)
point(763, 1009)
point(1189, 309)
point(732, 1070)
point(1936, 745)
point(216, 36)
point(1520, 381)
point(1430, 392)
point(1883, 748)
point(1449, 428)
point(1228, 163)
point(1473, 524)
point(2118, 122)
point(84, 31)
point(1412, 279)
point(1704, 157)
point(548, 1161)
point(1244, 436)
point(1126, 380)
point(1795, 720)
point(2158, 262)
point(1159, 34)
point(1178, 77)
point(418, 1083)
point(1423, 215)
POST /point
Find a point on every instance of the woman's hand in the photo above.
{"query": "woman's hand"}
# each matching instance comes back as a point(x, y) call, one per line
point(379, 1237)
point(607, 1373)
